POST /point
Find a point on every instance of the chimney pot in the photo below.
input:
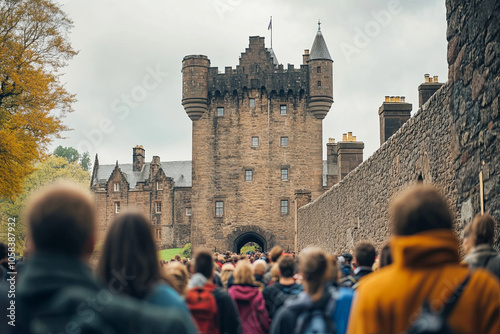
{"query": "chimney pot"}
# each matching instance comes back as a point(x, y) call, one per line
point(393, 99)
point(344, 137)
point(349, 136)
point(435, 78)
point(426, 77)
point(386, 98)
point(398, 99)
point(353, 138)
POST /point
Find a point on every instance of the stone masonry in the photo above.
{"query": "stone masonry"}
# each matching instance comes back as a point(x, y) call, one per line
point(452, 141)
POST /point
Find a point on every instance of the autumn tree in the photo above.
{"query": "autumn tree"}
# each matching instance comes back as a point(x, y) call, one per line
point(34, 46)
point(52, 169)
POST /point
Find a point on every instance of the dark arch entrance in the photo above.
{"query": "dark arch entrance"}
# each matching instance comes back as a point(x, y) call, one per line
point(249, 237)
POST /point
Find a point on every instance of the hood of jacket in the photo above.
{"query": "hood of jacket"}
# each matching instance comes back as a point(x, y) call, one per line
point(425, 249)
point(244, 292)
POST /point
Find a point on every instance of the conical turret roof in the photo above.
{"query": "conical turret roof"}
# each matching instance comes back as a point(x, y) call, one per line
point(319, 49)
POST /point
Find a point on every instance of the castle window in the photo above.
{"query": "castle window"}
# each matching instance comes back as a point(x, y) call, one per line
point(188, 211)
point(284, 207)
point(159, 185)
point(249, 175)
point(219, 209)
point(318, 69)
point(284, 174)
point(116, 187)
point(157, 207)
point(282, 109)
point(319, 83)
point(220, 111)
point(158, 233)
point(252, 103)
point(284, 141)
point(255, 141)
point(117, 207)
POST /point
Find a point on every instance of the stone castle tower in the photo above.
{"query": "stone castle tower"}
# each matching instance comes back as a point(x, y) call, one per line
point(257, 144)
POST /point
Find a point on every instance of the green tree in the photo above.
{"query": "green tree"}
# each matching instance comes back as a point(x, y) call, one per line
point(34, 46)
point(85, 161)
point(69, 153)
point(50, 170)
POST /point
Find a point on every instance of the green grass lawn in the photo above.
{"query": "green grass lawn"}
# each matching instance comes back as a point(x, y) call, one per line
point(167, 254)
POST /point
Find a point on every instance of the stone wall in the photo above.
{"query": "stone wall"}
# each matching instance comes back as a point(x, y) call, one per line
point(448, 142)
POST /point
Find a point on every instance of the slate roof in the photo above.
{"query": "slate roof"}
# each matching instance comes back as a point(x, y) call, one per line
point(319, 50)
point(275, 59)
point(180, 171)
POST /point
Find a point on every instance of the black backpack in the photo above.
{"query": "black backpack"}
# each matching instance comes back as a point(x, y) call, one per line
point(430, 322)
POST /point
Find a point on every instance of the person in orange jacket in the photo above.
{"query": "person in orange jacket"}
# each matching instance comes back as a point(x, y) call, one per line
point(426, 268)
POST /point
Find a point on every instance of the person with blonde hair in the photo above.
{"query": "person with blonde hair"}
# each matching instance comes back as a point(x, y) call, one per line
point(177, 276)
point(249, 300)
point(226, 273)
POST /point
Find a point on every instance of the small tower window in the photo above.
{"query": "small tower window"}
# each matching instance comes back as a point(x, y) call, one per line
point(157, 207)
point(219, 209)
point(284, 174)
point(158, 233)
point(249, 175)
point(284, 207)
point(188, 211)
point(284, 141)
point(159, 185)
point(220, 111)
point(319, 83)
point(116, 187)
point(318, 69)
point(255, 141)
point(282, 109)
point(252, 103)
point(117, 207)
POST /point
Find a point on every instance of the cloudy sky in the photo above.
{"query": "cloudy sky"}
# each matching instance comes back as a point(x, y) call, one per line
point(127, 76)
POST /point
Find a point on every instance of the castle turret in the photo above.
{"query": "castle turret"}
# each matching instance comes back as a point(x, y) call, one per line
point(320, 77)
point(194, 85)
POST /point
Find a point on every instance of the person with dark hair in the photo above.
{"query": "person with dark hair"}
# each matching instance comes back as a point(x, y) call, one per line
point(273, 257)
point(483, 255)
point(425, 277)
point(364, 258)
point(57, 292)
point(318, 309)
point(211, 307)
point(275, 295)
point(385, 256)
point(130, 249)
point(347, 266)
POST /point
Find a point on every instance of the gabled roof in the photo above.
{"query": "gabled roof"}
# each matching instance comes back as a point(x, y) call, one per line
point(319, 50)
point(180, 171)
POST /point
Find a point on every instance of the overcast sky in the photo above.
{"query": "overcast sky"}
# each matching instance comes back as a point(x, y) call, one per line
point(127, 76)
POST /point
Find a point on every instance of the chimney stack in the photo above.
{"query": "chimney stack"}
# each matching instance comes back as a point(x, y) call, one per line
point(393, 114)
point(332, 174)
point(427, 89)
point(305, 57)
point(138, 158)
point(349, 154)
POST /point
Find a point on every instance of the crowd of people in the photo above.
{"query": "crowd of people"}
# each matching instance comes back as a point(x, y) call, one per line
point(422, 281)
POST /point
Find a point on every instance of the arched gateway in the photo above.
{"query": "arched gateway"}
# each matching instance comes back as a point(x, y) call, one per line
point(249, 237)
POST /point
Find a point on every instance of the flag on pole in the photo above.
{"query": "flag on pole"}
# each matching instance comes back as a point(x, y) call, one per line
point(270, 26)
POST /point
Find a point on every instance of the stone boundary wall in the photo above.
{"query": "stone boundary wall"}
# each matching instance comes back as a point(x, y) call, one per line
point(448, 142)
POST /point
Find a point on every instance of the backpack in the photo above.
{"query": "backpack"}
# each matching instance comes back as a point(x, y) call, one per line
point(203, 306)
point(283, 295)
point(316, 321)
point(430, 322)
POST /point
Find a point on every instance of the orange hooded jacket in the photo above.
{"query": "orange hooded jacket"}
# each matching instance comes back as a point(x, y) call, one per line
point(426, 267)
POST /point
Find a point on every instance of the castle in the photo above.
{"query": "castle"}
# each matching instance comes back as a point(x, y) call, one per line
point(257, 155)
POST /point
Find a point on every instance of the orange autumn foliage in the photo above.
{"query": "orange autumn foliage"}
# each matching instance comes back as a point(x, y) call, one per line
point(33, 47)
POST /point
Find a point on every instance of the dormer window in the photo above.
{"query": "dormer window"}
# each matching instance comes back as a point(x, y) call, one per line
point(116, 187)
point(159, 185)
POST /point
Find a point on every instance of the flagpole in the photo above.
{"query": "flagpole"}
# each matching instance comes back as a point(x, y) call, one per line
point(271, 32)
